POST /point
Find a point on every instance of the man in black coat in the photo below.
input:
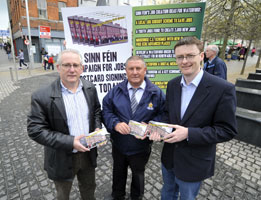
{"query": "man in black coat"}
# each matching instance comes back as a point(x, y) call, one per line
point(61, 114)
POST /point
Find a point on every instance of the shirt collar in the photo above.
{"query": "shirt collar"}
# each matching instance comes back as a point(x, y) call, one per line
point(142, 86)
point(210, 61)
point(66, 89)
point(195, 81)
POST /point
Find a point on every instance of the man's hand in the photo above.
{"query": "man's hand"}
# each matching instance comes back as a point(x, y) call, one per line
point(77, 144)
point(155, 136)
point(145, 134)
point(122, 128)
point(181, 133)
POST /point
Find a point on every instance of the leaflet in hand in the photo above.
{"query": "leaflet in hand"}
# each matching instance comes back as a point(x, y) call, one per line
point(139, 129)
point(95, 139)
point(159, 127)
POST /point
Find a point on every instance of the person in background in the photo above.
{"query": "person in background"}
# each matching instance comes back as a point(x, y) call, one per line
point(215, 65)
point(241, 53)
point(136, 98)
point(201, 110)
point(8, 51)
point(21, 59)
point(45, 62)
point(42, 54)
point(61, 115)
point(253, 51)
point(50, 62)
point(229, 53)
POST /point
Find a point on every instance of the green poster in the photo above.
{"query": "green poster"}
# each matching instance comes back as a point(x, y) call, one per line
point(156, 29)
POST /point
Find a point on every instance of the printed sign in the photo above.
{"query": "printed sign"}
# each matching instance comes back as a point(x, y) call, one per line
point(103, 36)
point(45, 32)
point(156, 29)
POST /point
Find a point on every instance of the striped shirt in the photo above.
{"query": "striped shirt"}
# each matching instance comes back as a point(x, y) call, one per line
point(77, 111)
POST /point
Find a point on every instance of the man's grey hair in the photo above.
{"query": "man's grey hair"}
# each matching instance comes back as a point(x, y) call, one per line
point(73, 51)
point(133, 58)
point(213, 48)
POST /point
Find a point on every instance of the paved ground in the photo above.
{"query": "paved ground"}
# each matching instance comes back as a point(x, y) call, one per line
point(238, 165)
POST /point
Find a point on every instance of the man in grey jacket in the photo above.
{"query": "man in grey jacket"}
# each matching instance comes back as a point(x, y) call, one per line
point(61, 114)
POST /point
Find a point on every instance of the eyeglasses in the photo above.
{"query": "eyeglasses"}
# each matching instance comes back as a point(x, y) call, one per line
point(189, 57)
point(68, 66)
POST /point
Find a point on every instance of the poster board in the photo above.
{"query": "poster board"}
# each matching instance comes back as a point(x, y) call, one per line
point(103, 36)
point(156, 29)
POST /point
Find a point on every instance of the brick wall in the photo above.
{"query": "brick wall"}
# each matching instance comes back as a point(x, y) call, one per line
point(18, 14)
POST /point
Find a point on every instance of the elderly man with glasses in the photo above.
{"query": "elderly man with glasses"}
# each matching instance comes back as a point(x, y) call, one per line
point(61, 114)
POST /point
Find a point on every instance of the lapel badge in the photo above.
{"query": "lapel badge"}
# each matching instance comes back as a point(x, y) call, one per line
point(150, 106)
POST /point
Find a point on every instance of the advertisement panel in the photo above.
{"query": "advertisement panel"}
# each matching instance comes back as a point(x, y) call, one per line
point(103, 37)
point(156, 29)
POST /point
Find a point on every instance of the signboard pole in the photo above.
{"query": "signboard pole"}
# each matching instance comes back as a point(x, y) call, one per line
point(13, 54)
point(31, 60)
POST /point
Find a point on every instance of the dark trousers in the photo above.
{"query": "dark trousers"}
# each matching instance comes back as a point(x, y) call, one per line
point(85, 173)
point(50, 65)
point(137, 164)
point(21, 61)
point(45, 64)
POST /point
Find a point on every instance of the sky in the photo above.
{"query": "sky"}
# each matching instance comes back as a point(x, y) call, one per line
point(3, 15)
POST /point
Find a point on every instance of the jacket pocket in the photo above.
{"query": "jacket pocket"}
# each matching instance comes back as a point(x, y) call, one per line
point(203, 153)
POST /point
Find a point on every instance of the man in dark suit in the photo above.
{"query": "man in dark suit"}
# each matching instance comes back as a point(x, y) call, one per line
point(201, 108)
point(215, 65)
point(61, 114)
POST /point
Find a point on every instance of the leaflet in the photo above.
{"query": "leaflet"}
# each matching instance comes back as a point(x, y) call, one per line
point(140, 130)
point(159, 127)
point(95, 139)
point(137, 129)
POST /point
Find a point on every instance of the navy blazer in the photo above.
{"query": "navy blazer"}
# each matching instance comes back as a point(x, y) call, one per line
point(117, 108)
point(217, 67)
point(210, 118)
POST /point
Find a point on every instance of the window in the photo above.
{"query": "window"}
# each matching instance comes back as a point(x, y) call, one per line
point(61, 5)
point(42, 8)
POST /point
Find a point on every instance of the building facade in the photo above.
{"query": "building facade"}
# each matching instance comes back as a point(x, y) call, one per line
point(42, 13)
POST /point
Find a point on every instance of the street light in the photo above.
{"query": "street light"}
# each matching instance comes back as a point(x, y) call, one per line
point(31, 60)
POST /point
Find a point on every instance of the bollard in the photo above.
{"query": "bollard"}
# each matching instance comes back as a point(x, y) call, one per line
point(11, 73)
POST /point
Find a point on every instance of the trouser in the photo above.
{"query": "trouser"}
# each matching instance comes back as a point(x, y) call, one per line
point(137, 164)
point(173, 188)
point(85, 173)
point(45, 64)
point(50, 65)
point(22, 62)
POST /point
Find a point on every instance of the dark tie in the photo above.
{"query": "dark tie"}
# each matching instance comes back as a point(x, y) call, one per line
point(206, 69)
point(134, 102)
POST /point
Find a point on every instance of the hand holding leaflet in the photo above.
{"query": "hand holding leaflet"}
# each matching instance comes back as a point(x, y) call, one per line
point(95, 139)
point(158, 130)
point(137, 129)
point(155, 130)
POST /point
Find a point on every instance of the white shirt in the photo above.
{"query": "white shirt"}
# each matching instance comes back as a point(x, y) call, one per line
point(188, 91)
point(139, 92)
